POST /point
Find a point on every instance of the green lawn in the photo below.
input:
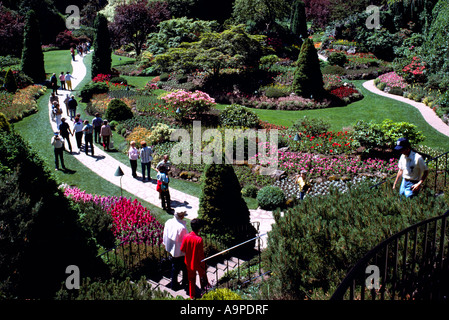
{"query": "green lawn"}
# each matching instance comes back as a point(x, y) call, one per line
point(372, 107)
point(57, 61)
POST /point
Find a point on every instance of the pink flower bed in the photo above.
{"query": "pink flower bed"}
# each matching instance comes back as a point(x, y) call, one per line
point(132, 222)
point(392, 79)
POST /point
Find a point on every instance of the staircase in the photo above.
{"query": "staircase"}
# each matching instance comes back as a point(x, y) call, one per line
point(213, 272)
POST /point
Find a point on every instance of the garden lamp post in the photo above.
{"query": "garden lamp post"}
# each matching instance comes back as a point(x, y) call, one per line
point(119, 173)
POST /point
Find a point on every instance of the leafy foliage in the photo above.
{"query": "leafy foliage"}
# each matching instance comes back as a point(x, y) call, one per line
point(32, 56)
point(271, 197)
point(118, 110)
point(238, 116)
point(101, 59)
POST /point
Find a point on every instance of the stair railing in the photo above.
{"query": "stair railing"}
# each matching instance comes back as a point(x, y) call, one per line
point(227, 269)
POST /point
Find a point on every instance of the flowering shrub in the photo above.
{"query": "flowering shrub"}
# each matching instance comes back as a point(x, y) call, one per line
point(22, 103)
point(102, 78)
point(344, 92)
point(189, 103)
point(392, 79)
point(132, 222)
point(415, 71)
point(316, 166)
point(325, 143)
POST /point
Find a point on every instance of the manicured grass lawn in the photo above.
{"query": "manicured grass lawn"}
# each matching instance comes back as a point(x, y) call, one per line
point(57, 61)
point(372, 107)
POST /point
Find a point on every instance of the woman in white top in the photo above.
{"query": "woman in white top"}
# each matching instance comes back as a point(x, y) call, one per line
point(78, 130)
point(133, 155)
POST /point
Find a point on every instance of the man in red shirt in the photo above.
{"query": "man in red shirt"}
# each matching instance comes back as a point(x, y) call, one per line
point(192, 245)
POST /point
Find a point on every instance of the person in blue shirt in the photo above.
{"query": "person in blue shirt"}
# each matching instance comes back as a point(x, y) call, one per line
point(164, 193)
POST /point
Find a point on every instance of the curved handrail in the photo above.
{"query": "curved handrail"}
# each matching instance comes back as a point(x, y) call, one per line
point(357, 269)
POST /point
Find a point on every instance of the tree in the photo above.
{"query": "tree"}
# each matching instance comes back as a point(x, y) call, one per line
point(299, 23)
point(133, 22)
point(40, 231)
point(222, 206)
point(32, 56)
point(101, 59)
point(10, 82)
point(308, 79)
point(11, 32)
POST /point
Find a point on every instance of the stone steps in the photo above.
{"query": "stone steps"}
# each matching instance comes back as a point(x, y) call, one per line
point(213, 273)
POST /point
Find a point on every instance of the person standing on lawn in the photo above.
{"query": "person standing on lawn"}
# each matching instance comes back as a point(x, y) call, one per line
point(174, 232)
point(58, 143)
point(54, 83)
point(412, 169)
point(192, 246)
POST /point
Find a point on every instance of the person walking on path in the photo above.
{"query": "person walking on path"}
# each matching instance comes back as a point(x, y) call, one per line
point(78, 129)
point(133, 155)
point(412, 169)
point(164, 162)
point(58, 114)
point(88, 131)
point(174, 232)
point(97, 122)
point(62, 80)
point(65, 132)
point(54, 83)
point(106, 134)
point(68, 81)
point(72, 104)
point(192, 246)
point(145, 160)
point(58, 143)
point(72, 53)
point(66, 102)
point(162, 186)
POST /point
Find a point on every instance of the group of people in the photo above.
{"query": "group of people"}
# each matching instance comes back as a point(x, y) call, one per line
point(65, 82)
point(186, 253)
point(80, 49)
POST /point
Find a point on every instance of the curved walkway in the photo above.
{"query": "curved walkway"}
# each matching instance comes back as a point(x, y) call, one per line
point(428, 114)
point(105, 166)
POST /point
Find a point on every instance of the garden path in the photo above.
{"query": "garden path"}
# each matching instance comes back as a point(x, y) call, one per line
point(105, 166)
point(428, 114)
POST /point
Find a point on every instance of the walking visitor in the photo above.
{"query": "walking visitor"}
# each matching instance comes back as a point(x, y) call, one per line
point(88, 131)
point(174, 232)
point(62, 80)
point(78, 130)
point(106, 134)
point(193, 247)
point(162, 186)
point(145, 160)
point(97, 122)
point(58, 143)
point(133, 155)
point(412, 169)
point(65, 132)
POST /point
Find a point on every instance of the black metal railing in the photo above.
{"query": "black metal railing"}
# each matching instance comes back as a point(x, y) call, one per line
point(411, 265)
point(233, 276)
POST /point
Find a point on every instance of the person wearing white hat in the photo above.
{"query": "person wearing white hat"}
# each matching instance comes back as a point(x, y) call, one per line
point(174, 232)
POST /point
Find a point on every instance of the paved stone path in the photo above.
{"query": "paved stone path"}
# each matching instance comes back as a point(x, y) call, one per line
point(428, 114)
point(105, 166)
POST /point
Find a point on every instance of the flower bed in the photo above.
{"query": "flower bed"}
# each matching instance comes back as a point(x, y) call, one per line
point(392, 80)
point(132, 222)
point(21, 104)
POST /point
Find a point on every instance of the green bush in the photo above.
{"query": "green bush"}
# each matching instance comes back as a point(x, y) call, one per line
point(273, 92)
point(238, 116)
point(4, 123)
point(118, 80)
point(337, 70)
point(397, 91)
point(270, 198)
point(337, 59)
point(118, 110)
point(250, 191)
point(311, 126)
point(91, 88)
point(312, 247)
point(221, 294)
point(10, 82)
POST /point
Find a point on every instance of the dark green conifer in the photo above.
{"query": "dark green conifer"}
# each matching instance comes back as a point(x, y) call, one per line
point(308, 79)
point(101, 59)
point(299, 23)
point(222, 206)
point(32, 56)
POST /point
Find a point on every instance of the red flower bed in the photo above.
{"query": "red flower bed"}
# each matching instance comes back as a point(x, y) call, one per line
point(344, 92)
